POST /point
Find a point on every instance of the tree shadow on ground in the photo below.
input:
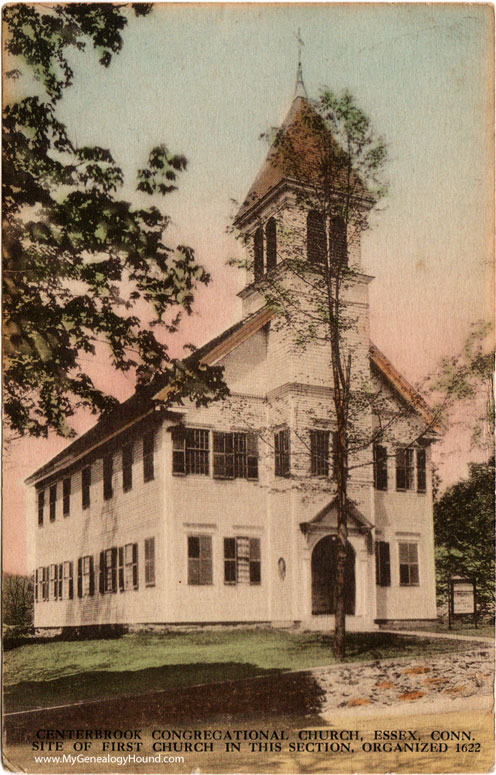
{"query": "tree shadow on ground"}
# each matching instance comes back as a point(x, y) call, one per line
point(258, 695)
point(102, 684)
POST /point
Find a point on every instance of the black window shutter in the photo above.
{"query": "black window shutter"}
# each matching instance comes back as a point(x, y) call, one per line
point(114, 569)
point(102, 573)
point(71, 580)
point(121, 568)
point(80, 577)
point(386, 564)
point(92, 577)
point(135, 566)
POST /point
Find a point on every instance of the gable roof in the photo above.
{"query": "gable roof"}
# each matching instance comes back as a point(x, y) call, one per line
point(143, 402)
point(403, 387)
point(323, 518)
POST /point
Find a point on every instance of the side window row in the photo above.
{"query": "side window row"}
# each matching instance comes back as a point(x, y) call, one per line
point(322, 455)
point(405, 459)
point(234, 453)
point(242, 560)
point(408, 564)
point(118, 571)
point(108, 472)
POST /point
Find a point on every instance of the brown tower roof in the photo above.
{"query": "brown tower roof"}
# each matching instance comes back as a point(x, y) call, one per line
point(303, 152)
point(274, 170)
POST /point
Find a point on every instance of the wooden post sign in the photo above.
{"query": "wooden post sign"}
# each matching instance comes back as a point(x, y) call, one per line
point(462, 596)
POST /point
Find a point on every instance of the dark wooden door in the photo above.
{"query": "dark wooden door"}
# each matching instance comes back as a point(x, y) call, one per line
point(324, 577)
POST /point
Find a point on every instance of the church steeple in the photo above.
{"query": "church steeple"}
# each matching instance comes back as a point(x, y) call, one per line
point(300, 90)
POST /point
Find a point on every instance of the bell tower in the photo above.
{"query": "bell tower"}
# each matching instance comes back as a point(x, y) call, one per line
point(276, 220)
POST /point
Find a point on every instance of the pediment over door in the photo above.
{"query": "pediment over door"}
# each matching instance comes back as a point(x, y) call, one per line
point(326, 520)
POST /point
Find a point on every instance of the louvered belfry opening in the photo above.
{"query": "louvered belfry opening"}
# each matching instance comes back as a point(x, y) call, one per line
point(316, 238)
point(271, 243)
point(258, 253)
point(339, 243)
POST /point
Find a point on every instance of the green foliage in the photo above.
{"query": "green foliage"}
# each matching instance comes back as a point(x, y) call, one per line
point(467, 380)
point(82, 268)
point(17, 600)
point(464, 533)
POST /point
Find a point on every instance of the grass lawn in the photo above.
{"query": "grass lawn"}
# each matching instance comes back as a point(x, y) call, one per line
point(46, 674)
point(458, 628)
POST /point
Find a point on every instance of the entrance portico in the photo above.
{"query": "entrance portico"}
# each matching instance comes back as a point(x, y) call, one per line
point(319, 552)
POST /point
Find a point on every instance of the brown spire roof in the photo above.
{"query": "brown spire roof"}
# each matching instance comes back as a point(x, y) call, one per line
point(304, 152)
point(273, 170)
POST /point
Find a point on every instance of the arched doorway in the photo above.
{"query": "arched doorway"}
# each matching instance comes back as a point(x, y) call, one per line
point(324, 559)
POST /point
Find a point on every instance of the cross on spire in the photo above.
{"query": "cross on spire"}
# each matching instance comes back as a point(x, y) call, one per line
point(300, 90)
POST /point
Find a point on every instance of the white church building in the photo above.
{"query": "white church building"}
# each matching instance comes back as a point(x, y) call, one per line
point(226, 514)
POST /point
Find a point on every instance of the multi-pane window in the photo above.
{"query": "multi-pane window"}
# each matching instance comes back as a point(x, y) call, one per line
point(319, 453)
point(199, 560)
point(108, 570)
point(60, 580)
point(316, 238)
point(258, 253)
point(149, 562)
point(66, 496)
point(43, 581)
point(271, 242)
point(68, 582)
point(380, 467)
point(235, 455)
point(197, 451)
point(281, 452)
point(223, 455)
point(409, 565)
point(242, 561)
point(127, 467)
point(382, 564)
point(148, 462)
point(86, 576)
point(230, 561)
point(128, 567)
point(190, 451)
point(41, 507)
point(108, 471)
point(53, 502)
point(421, 471)
point(85, 487)
point(404, 469)
point(54, 582)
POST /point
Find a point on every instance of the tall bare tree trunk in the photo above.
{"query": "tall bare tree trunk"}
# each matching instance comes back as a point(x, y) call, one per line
point(341, 394)
point(342, 526)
